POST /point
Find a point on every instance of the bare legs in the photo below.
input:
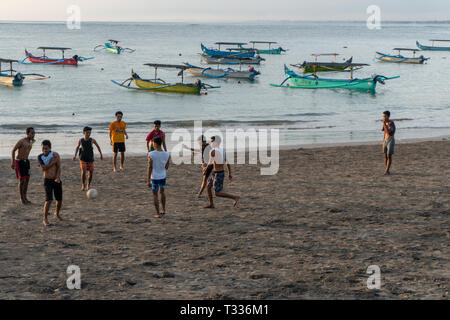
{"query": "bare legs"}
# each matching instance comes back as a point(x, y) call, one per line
point(23, 188)
point(114, 162)
point(159, 213)
point(47, 208)
point(387, 162)
point(202, 187)
point(122, 160)
point(219, 194)
point(83, 180)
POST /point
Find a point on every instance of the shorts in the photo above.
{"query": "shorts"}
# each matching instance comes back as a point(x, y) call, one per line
point(216, 180)
point(52, 188)
point(23, 169)
point(388, 146)
point(119, 147)
point(158, 184)
point(89, 166)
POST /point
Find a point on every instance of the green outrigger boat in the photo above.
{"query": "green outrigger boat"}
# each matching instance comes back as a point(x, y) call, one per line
point(312, 81)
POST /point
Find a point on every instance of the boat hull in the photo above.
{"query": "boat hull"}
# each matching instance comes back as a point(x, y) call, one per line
point(218, 53)
point(155, 85)
point(431, 48)
point(45, 60)
point(234, 61)
point(309, 69)
point(9, 81)
point(221, 73)
point(399, 59)
point(113, 50)
point(367, 84)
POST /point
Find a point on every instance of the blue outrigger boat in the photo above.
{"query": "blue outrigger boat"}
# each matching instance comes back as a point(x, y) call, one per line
point(229, 53)
point(401, 59)
point(432, 47)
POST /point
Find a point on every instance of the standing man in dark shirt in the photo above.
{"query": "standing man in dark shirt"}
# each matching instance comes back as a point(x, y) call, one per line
point(388, 140)
point(86, 149)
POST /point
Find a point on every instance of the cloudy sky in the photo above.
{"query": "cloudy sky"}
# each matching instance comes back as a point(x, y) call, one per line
point(224, 10)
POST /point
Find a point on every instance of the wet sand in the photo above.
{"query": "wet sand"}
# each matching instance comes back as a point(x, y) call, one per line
point(311, 231)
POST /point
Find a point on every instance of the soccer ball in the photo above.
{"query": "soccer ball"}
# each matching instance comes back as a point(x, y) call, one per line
point(92, 194)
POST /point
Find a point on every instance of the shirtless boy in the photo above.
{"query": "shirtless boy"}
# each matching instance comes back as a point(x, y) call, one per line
point(21, 164)
point(50, 163)
point(218, 160)
point(388, 140)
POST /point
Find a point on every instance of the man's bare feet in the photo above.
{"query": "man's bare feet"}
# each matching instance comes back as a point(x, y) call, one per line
point(162, 213)
point(114, 169)
point(45, 222)
point(27, 201)
point(83, 188)
point(211, 206)
point(58, 216)
point(386, 173)
point(121, 168)
point(199, 195)
point(88, 187)
point(236, 200)
point(157, 216)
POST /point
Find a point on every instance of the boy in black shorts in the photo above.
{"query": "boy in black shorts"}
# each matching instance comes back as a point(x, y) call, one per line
point(50, 163)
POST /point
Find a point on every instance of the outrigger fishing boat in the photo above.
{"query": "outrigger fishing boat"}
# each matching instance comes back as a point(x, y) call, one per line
point(160, 85)
point(325, 66)
point(113, 47)
point(312, 81)
point(231, 60)
point(250, 53)
point(401, 59)
point(73, 61)
point(270, 50)
point(432, 47)
point(222, 73)
point(12, 78)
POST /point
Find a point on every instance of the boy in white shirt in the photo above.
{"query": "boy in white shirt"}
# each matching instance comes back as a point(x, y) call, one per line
point(158, 163)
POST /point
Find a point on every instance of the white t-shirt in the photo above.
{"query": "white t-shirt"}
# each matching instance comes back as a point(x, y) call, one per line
point(159, 161)
point(219, 156)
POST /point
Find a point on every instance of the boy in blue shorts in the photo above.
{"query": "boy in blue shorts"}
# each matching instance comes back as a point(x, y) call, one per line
point(158, 163)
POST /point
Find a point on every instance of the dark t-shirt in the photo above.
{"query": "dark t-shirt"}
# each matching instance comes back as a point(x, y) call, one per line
point(86, 150)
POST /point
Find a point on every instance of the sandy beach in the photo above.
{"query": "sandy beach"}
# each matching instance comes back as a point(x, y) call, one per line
point(311, 231)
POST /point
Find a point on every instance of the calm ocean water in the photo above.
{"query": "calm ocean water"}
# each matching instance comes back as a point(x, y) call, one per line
point(77, 96)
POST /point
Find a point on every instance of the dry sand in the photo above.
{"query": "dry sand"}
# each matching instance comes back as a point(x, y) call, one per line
point(310, 231)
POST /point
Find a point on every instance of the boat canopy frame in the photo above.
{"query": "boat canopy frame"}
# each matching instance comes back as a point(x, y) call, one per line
point(352, 66)
point(62, 49)
point(167, 66)
point(10, 61)
point(220, 43)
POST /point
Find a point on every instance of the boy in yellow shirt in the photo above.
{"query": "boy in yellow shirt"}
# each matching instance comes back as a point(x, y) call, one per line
point(117, 135)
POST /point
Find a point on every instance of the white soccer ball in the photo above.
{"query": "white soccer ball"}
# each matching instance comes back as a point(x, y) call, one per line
point(92, 194)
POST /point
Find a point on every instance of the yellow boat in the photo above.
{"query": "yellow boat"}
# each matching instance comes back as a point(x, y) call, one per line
point(160, 85)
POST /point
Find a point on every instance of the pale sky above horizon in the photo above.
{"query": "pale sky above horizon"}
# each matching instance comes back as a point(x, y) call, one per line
point(224, 10)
